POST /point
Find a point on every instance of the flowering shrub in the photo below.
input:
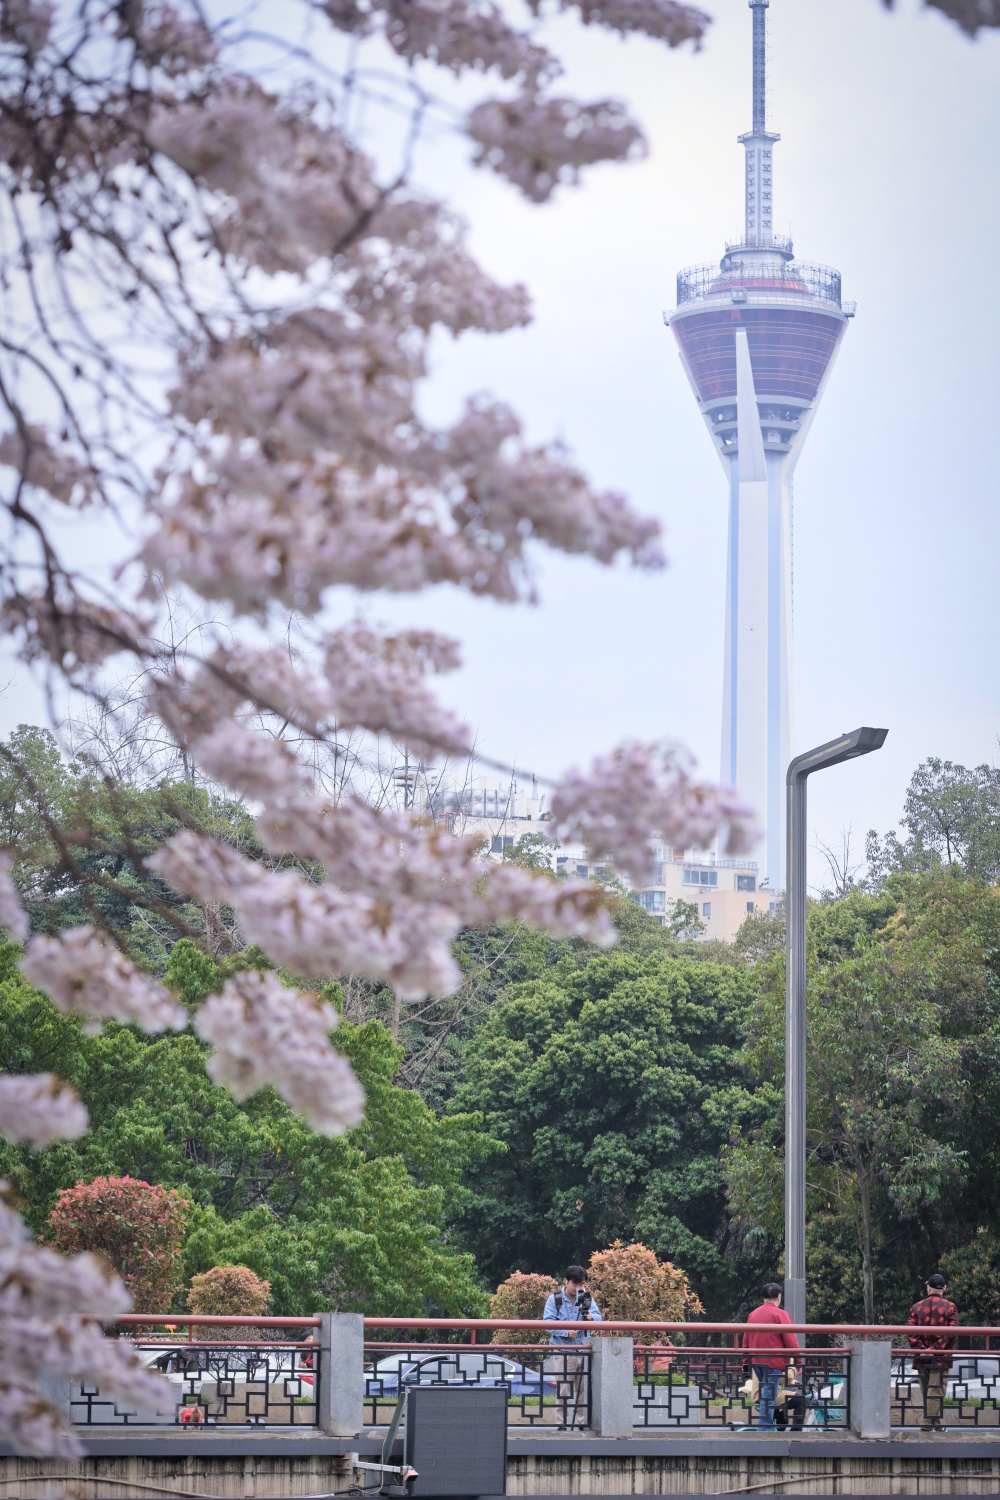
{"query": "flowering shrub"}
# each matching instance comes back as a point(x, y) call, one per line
point(632, 1285)
point(138, 1228)
point(522, 1295)
point(226, 1290)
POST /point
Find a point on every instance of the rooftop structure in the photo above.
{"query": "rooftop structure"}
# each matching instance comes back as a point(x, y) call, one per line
point(757, 334)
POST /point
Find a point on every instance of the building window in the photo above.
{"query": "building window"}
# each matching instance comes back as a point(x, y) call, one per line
point(774, 905)
point(657, 874)
point(706, 908)
point(561, 861)
point(501, 842)
point(651, 900)
point(700, 877)
point(750, 906)
point(582, 870)
point(746, 882)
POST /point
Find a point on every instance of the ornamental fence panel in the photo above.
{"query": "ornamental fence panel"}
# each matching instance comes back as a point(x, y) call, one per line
point(958, 1390)
point(547, 1387)
point(219, 1384)
point(711, 1387)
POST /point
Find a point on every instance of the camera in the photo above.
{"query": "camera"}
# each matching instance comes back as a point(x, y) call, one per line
point(584, 1302)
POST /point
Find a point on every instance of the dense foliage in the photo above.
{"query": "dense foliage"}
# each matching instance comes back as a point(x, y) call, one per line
point(614, 1088)
point(904, 1095)
point(331, 1223)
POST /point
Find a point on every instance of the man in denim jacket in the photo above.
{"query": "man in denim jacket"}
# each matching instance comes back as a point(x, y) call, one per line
point(572, 1305)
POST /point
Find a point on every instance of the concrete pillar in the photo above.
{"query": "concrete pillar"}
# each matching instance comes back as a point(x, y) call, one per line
point(612, 1394)
point(871, 1386)
point(341, 1410)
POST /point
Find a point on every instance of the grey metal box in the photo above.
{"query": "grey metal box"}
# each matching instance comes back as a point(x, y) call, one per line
point(456, 1439)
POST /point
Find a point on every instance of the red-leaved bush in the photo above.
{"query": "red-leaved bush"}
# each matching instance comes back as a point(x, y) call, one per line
point(137, 1226)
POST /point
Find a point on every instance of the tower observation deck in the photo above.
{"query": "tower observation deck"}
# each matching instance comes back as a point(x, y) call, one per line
point(757, 333)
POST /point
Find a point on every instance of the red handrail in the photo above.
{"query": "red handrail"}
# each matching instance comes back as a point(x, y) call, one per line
point(214, 1320)
point(857, 1330)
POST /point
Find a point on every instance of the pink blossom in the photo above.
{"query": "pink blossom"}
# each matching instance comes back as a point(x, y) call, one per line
point(70, 631)
point(377, 682)
point(316, 930)
point(297, 188)
point(33, 1426)
point(263, 1032)
point(536, 141)
point(30, 452)
point(258, 533)
point(666, 20)
point(12, 913)
point(534, 492)
point(82, 972)
point(255, 766)
point(27, 23)
point(270, 679)
point(639, 792)
point(566, 908)
point(40, 1108)
point(463, 34)
point(51, 1307)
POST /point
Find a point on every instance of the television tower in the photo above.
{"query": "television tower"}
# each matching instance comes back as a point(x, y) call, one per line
point(757, 335)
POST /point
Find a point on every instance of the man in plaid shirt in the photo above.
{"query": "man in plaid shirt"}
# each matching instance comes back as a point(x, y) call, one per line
point(933, 1311)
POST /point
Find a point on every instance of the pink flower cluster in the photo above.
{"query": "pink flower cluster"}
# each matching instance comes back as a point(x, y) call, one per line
point(40, 1108)
point(47, 1302)
point(51, 469)
point(537, 141)
point(639, 792)
point(12, 914)
point(83, 973)
point(263, 1032)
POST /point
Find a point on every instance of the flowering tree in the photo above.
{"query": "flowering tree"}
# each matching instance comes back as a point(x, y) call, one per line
point(522, 1295)
point(138, 1227)
point(217, 316)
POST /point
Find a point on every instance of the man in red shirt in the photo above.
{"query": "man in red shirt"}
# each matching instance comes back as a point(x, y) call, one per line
point(935, 1311)
point(767, 1366)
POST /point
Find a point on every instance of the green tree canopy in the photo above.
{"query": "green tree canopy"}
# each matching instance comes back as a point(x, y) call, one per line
point(353, 1221)
point(613, 1088)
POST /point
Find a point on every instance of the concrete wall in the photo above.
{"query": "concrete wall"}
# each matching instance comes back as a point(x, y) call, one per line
point(630, 1472)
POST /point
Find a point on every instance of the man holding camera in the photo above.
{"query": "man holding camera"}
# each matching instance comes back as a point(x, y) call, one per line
point(572, 1305)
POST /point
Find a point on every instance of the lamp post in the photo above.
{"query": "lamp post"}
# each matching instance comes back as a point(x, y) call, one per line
point(846, 747)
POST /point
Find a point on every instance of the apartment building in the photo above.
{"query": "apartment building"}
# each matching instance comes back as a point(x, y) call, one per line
point(725, 891)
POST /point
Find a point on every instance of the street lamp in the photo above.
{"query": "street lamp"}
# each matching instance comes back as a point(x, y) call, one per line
point(846, 747)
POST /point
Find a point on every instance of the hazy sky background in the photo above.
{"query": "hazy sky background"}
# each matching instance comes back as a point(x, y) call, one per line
point(887, 169)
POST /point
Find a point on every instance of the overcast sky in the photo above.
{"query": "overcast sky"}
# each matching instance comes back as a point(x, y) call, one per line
point(887, 169)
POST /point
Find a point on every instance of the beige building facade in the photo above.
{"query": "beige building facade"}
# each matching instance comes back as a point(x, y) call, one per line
point(725, 891)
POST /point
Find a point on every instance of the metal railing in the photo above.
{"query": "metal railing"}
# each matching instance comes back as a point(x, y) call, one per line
point(547, 1386)
point(696, 282)
point(712, 1387)
point(216, 1385)
point(249, 1373)
point(961, 1389)
point(267, 1372)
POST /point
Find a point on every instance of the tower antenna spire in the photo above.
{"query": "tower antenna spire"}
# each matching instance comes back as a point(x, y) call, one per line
point(759, 65)
point(759, 231)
